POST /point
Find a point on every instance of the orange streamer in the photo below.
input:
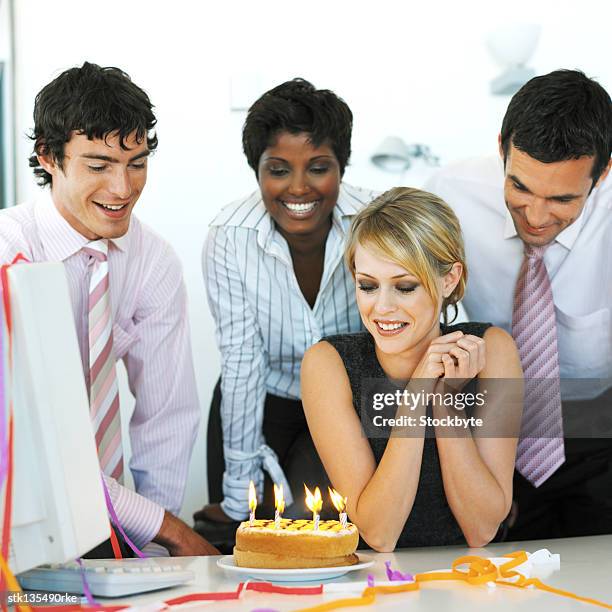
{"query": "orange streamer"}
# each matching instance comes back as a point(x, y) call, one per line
point(6, 576)
point(11, 582)
point(479, 571)
point(115, 543)
point(367, 598)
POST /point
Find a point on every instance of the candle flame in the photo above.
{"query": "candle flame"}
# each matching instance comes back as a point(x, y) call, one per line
point(314, 502)
point(279, 500)
point(252, 497)
point(337, 499)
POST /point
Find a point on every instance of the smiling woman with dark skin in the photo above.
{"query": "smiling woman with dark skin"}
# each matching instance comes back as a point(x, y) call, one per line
point(299, 185)
point(276, 284)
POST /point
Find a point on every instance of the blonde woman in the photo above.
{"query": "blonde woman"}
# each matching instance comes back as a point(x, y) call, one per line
point(427, 481)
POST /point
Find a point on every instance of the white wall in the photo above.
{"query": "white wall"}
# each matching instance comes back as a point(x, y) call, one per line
point(7, 187)
point(420, 71)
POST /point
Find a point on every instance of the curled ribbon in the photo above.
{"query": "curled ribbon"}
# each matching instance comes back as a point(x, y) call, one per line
point(478, 571)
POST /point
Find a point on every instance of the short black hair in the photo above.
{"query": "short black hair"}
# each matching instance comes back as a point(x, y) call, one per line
point(93, 101)
point(297, 107)
point(559, 116)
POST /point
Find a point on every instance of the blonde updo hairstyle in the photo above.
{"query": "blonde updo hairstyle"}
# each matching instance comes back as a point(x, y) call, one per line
point(416, 230)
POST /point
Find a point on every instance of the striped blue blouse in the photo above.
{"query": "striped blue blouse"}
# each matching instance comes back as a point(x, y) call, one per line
point(264, 325)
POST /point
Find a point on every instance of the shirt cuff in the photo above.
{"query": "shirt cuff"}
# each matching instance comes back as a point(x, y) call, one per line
point(236, 495)
point(236, 490)
point(155, 550)
point(140, 518)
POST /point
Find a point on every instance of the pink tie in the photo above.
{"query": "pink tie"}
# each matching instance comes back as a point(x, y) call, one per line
point(540, 449)
point(103, 390)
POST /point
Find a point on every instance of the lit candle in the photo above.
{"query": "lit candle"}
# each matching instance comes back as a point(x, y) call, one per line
point(279, 504)
point(252, 503)
point(314, 503)
point(339, 504)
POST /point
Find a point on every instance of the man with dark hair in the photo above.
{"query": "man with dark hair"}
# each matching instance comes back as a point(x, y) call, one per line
point(538, 226)
point(92, 138)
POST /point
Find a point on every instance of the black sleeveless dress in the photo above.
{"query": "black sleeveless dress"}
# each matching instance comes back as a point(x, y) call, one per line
point(431, 522)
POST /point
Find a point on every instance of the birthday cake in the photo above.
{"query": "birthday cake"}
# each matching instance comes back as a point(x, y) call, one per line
point(295, 544)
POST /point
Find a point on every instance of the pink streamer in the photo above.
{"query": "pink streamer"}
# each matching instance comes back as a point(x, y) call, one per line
point(3, 411)
point(395, 574)
point(86, 590)
point(3, 399)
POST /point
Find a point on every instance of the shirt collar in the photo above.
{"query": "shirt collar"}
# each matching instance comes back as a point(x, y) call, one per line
point(566, 238)
point(59, 239)
point(348, 205)
point(258, 219)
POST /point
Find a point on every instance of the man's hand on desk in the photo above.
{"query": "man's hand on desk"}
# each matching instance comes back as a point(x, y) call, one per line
point(181, 540)
point(214, 525)
point(212, 512)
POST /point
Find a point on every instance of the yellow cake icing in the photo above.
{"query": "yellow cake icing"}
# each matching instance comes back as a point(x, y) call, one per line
point(295, 544)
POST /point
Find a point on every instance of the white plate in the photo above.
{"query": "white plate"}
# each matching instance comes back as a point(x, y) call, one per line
point(293, 575)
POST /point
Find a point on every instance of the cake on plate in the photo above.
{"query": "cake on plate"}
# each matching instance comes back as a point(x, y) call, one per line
point(295, 544)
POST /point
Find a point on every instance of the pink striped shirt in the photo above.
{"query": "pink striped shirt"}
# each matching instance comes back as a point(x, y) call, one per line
point(151, 335)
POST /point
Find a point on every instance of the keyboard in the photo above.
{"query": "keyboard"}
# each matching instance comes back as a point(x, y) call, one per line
point(107, 577)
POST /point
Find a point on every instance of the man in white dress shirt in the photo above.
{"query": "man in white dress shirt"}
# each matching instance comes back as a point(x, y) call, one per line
point(92, 137)
point(550, 192)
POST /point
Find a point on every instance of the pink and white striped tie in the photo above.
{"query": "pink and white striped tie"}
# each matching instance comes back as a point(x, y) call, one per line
point(103, 390)
point(540, 449)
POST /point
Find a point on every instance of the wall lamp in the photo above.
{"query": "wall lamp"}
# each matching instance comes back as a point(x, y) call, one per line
point(394, 155)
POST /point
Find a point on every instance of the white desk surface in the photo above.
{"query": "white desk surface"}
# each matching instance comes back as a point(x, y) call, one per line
point(586, 570)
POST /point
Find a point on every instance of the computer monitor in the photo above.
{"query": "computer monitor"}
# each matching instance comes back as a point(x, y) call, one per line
point(59, 511)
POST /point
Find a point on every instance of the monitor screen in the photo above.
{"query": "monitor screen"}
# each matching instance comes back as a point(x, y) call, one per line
point(59, 511)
